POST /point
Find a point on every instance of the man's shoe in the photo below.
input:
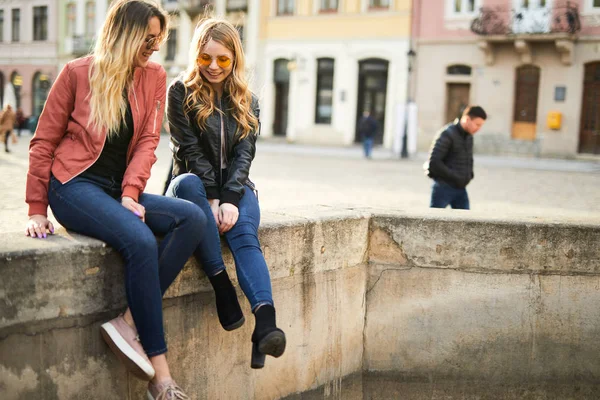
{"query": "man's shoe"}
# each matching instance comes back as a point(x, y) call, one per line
point(165, 391)
point(124, 341)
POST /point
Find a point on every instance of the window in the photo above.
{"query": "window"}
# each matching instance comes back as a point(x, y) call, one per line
point(328, 6)
point(596, 4)
point(40, 23)
point(285, 7)
point(237, 5)
point(376, 4)
point(324, 90)
point(463, 7)
point(90, 19)
point(458, 70)
point(16, 25)
point(1, 30)
point(71, 18)
point(171, 45)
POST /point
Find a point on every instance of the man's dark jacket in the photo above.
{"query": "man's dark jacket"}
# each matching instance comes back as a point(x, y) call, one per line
point(198, 150)
point(451, 157)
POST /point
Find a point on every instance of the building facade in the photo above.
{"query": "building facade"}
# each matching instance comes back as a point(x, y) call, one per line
point(78, 25)
point(534, 65)
point(28, 53)
point(324, 62)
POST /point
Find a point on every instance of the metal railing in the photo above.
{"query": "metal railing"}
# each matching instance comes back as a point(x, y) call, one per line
point(560, 18)
point(82, 45)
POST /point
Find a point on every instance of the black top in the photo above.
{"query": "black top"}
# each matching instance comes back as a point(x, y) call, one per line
point(451, 156)
point(197, 150)
point(112, 162)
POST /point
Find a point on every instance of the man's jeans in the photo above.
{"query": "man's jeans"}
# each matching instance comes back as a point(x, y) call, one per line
point(443, 195)
point(242, 240)
point(90, 205)
point(368, 146)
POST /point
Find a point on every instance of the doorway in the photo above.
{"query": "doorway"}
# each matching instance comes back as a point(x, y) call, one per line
point(372, 93)
point(281, 79)
point(457, 99)
point(589, 131)
point(527, 87)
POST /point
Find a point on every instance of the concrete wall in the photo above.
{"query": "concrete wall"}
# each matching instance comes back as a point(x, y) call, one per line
point(485, 302)
point(407, 301)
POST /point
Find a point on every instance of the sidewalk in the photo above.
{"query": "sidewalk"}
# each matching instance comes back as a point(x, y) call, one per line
point(293, 175)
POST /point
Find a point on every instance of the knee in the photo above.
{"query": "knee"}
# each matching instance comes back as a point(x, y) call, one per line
point(189, 187)
point(141, 243)
point(194, 217)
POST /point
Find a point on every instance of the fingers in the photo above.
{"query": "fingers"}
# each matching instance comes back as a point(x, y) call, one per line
point(229, 219)
point(36, 229)
point(51, 227)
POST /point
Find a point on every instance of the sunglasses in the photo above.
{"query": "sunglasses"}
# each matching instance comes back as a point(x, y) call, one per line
point(152, 42)
point(222, 61)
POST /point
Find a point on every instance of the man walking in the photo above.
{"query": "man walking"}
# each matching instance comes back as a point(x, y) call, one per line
point(367, 129)
point(450, 162)
point(7, 123)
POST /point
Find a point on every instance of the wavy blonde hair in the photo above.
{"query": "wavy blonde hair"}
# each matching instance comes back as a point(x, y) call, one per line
point(201, 94)
point(115, 54)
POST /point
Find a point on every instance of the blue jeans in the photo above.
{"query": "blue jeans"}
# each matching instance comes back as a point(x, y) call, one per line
point(90, 205)
point(443, 195)
point(368, 146)
point(242, 240)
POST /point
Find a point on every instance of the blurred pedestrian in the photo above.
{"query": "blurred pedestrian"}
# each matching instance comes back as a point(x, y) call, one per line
point(450, 162)
point(367, 129)
point(20, 121)
point(213, 117)
point(7, 124)
point(90, 160)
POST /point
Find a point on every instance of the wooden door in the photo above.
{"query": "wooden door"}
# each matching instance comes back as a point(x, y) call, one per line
point(589, 131)
point(526, 101)
point(457, 99)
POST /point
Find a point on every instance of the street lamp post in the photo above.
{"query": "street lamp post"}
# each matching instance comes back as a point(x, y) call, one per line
point(410, 55)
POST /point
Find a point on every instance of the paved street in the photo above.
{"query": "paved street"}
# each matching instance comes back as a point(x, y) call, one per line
point(296, 175)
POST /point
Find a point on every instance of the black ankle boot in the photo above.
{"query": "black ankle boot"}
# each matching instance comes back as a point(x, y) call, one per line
point(228, 307)
point(267, 338)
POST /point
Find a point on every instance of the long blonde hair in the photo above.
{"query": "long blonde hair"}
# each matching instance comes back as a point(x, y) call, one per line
point(201, 94)
point(115, 54)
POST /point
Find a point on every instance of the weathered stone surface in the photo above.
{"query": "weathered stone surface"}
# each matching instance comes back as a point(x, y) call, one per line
point(374, 304)
point(484, 245)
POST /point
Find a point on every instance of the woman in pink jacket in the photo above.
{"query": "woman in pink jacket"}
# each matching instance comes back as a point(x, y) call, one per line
point(90, 159)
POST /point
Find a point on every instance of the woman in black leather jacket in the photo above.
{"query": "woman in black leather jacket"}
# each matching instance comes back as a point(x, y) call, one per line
point(213, 119)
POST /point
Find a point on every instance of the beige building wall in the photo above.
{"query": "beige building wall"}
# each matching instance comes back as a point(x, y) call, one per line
point(493, 87)
point(350, 35)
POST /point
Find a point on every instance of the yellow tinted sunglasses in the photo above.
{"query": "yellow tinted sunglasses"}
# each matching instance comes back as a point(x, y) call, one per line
point(222, 61)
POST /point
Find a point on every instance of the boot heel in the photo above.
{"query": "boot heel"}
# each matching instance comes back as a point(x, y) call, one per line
point(258, 358)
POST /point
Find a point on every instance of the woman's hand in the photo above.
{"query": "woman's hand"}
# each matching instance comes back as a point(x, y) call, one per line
point(228, 216)
point(214, 207)
point(134, 207)
point(38, 225)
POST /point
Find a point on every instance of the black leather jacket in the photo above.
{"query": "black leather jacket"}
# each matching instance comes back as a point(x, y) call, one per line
point(198, 151)
point(451, 157)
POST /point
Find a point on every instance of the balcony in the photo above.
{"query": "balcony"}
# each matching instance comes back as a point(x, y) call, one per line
point(237, 5)
point(81, 45)
point(526, 26)
point(194, 7)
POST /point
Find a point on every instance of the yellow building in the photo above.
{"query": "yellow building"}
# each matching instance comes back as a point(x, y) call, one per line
point(321, 63)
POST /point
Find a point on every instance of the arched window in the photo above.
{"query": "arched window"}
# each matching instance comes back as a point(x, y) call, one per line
point(324, 104)
point(41, 86)
point(458, 69)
